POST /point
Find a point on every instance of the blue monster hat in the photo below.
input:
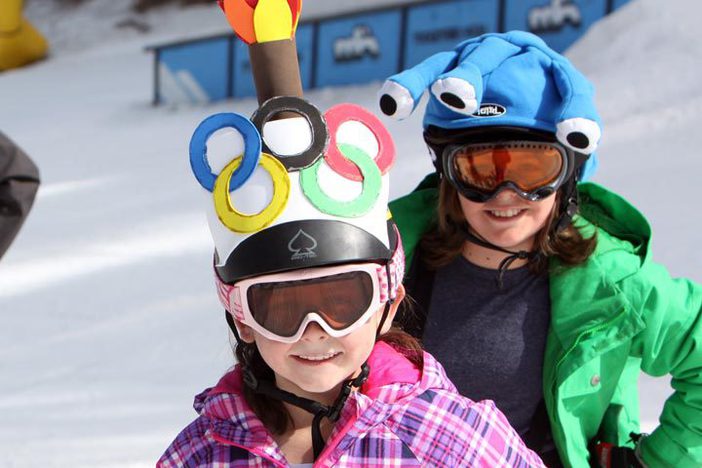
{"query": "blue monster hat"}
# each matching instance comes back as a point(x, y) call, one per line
point(512, 79)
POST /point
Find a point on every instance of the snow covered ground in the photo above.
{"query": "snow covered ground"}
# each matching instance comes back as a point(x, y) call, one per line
point(110, 320)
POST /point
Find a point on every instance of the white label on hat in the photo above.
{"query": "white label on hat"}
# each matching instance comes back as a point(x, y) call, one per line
point(490, 110)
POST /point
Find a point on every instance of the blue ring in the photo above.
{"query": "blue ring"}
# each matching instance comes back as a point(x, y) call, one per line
point(198, 149)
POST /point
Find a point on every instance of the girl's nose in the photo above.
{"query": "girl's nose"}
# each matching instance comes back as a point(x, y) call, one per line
point(314, 332)
point(506, 195)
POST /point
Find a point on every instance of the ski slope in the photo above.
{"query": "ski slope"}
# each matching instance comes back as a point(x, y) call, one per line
point(110, 319)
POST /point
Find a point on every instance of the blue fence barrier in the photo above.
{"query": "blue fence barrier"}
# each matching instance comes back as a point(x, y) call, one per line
point(366, 46)
point(358, 49)
point(558, 22)
point(440, 26)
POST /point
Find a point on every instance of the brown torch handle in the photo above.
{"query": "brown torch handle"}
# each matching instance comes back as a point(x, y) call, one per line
point(275, 69)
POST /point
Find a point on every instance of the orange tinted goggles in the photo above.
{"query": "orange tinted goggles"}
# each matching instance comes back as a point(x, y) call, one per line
point(534, 170)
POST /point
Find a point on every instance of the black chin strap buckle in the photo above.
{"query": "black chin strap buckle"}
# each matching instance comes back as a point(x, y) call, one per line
point(571, 209)
point(334, 411)
point(363, 376)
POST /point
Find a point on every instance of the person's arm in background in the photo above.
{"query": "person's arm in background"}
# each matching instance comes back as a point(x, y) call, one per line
point(19, 181)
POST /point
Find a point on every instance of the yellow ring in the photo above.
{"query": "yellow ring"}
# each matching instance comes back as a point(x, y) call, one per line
point(243, 223)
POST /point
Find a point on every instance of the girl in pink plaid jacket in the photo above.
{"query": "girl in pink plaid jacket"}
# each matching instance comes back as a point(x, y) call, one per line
point(401, 416)
point(311, 286)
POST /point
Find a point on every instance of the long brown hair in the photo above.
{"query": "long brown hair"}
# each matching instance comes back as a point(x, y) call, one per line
point(272, 413)
point(445, 241)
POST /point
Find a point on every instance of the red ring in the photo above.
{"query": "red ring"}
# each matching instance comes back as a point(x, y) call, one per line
point(342, 113)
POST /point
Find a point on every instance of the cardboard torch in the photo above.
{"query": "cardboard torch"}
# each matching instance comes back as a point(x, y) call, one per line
point(268, 27)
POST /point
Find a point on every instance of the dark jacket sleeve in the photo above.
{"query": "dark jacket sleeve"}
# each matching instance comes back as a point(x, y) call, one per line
point(19, 181)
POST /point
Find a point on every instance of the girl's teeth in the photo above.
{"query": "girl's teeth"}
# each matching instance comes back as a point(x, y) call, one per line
point(506, 213)
point(319, 358)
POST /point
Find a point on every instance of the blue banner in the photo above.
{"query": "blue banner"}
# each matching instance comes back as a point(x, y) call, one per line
point(439, 27)
point(558, 22)
point(194, 72)
point(358, 49)
point(241, 67)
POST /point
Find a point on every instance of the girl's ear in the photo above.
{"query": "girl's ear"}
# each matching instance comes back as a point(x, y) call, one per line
point(393, 309)
point(246, 333)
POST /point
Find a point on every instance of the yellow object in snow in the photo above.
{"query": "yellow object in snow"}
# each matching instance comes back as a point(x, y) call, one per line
point(20, 42)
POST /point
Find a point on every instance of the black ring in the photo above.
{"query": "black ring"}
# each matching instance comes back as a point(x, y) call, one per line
point(315, 119)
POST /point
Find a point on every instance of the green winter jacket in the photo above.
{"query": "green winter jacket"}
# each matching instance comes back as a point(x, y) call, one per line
point(613, 316)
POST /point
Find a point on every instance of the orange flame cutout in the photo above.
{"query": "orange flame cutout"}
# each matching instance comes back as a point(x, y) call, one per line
point(263, 20)
point(240, 17)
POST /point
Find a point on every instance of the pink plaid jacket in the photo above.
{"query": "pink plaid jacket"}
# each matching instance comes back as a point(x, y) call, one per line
point(400, 417)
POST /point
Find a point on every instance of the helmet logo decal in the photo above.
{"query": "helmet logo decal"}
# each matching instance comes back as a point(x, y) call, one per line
point(302, 246)
point(490, 110)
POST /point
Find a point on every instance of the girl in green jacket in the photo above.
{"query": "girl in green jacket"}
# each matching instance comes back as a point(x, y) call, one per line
point(533, 289)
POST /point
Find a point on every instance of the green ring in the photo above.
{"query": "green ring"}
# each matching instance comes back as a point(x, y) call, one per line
point(372, 182)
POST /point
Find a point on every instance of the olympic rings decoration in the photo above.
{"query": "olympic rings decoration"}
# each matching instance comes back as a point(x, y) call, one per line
point(372, 182)
point(243, 223)
point(318, 128)
point(198, 149)
point(341, 113)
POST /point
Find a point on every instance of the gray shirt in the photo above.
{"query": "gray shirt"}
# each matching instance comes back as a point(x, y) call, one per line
point(491, 342)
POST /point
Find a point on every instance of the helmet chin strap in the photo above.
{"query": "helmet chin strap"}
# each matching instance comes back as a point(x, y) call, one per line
point(507, 261)
point(569, 205)
point(567, 209)
point(570, 202)
point(319, 410)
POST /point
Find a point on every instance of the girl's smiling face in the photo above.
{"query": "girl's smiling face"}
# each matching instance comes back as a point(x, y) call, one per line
point(315, 366)
point(508, 220)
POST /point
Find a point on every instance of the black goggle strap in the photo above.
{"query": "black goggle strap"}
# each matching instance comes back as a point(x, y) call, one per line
point(507, 261)
point(232, 326)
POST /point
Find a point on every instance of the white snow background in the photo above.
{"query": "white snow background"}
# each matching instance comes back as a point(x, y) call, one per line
point(109, 318)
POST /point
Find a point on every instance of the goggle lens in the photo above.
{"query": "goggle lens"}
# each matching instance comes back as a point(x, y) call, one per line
point(528, 165)
point(341, 300)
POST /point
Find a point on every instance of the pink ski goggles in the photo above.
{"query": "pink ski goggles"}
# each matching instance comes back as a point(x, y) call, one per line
point(340, 299)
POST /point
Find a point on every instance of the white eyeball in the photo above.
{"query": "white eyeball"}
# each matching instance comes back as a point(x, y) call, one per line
point(456, 94)
point(578, 134)
point(395, 100)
